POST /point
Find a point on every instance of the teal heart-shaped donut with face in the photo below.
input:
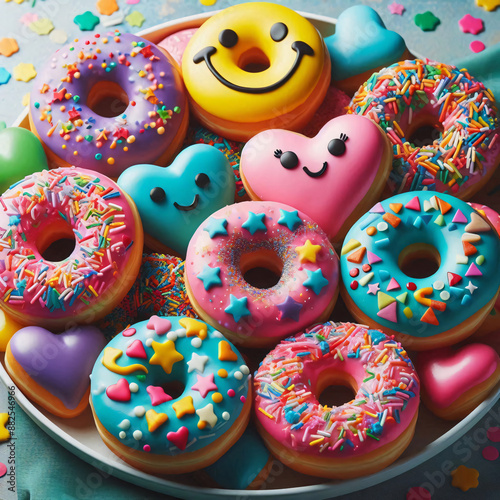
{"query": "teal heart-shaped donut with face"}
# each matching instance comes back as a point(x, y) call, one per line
point(175, 200)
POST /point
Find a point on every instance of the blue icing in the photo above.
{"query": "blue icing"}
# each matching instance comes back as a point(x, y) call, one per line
point(112, 413)
point(176, 214)
point(452, 305)
point(377, 336)
point(362, 42)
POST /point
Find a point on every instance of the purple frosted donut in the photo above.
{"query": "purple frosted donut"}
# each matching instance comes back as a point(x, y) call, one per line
point(106, 102)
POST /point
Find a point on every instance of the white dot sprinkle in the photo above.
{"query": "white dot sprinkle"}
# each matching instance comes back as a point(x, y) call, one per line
point(444, 295)
point(172, 336)
point(382, 226)
point(149, 342)
point(133, 387)
point(438, 285)
point(217, 334)
point(238, 375)
point(122, 435)
point(124, 424)
point(244, 369)
point(137, 435)
point(139, 411)
point(196, 342)
point(181, 332)
point(226, 415)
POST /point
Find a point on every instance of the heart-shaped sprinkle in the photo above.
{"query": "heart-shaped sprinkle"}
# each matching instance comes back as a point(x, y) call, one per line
point(119, 391)
point(179, 438)
point(160, 325)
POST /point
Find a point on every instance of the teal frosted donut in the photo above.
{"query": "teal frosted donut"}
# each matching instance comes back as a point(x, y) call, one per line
point(170, 395)
point(422, 266)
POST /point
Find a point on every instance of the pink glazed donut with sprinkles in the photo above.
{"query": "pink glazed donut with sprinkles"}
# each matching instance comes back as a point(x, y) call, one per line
point(358, 438)
point(107, 102)
point(224, 264)
point(41, 283)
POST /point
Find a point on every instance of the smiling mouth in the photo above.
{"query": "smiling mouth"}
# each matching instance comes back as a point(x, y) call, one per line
point(302, 49)
point(187, 208)
point(319, 173)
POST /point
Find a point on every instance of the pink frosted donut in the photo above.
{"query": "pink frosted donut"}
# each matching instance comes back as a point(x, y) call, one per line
point(238, 241)
point(492, 321)
point(360, 437)
point(175, 44)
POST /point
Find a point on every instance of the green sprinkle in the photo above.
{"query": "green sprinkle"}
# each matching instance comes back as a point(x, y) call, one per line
point(480, 260)
point(177, 109)
point(76, 98)
point(37, 105)
point(98, 156)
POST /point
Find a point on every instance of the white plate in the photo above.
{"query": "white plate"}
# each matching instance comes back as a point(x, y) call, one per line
point(80, 435)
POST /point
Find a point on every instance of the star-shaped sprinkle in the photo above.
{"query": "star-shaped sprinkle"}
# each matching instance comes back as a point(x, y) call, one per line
point(86, 21)
point(210, 277)
point(197, 363)
point(194, 328)
point(204, 385)
point(426, 21)
point(290, 308)
point(106, 7)
point(308, 251)
point(8, 46)
point(4, 432)
point(42, 26)
point(160, 325)
point(488, 5)
point(165, 355)
point(254, 223)
point(290, 219)
point(135, 18)
point(464, 478)
point(470, 24)
point(4, 76)
point(207, 416)
point(471, 287)
point(183, 407)
point(216, 227)
point(396, 8)
point(24, 72)
point(315, 280)
point(28, 18)
point(373, 289)
point(237, 308)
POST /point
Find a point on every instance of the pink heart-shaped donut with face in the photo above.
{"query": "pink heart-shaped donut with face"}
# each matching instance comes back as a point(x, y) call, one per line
point(334, 177)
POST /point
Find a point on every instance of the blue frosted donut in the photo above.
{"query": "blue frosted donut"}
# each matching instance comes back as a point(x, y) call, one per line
point(170, 395)
point(404, 236)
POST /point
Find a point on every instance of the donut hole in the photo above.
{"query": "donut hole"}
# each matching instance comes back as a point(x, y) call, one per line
point(107, 99)
point(254, 61)
point(56, 242)
point(419, 260)
point(335, 389)
point(424, 132)
point(262, 268)
point(175, 388)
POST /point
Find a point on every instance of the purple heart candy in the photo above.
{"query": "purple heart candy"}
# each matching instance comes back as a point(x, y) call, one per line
point(60, 363)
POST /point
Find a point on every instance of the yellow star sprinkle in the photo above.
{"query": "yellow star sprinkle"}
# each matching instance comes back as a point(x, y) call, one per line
point(4, 432)
point(194, 328)
point(24, 72)
point(308, 251)
point(183, 406)
point(488, 5)
point(464, 478)
point(165, 355)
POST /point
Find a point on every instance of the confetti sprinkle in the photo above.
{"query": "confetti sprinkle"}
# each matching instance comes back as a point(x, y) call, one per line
point(24, 72)
point(494, 434)
point(8, 46)
point(469, 24)
point(477, 46)
point(58, 36)
point(396, 8)
point(86, 21)
point(114, 20)
point(135, 18)
point(490, 453)
point(4, 432)
point(107, 7)
point(488, 5)
point(426, 21)
point(3, 469)
point(133, 2)
point(41, 26)
point(464, 478)
point(418, 493)
point(29, 18)
point(208, 3)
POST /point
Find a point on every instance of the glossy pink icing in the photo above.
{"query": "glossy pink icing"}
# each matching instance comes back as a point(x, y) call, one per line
point(224, 251)
point(330, 198)
point(386, 400)
point(175, 44)
point(446, 374)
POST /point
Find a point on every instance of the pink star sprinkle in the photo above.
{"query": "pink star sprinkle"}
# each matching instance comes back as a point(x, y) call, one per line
point(396, 8)
point(477, 46)
point(469, 24)
point(204, 385)
point(373, 289)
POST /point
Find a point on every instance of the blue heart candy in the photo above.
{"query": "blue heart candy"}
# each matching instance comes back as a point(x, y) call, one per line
point(362, 42)
point(174, 201)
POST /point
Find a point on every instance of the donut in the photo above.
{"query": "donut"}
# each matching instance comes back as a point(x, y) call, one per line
point(358, 438)
point(170, 395)
point(53, 370)
point(259, 271)
point(255, 66)
point(460, 153)
point(492, 322)
point(174, 201)
point(423, 267)
point(455, 381)
point(333, 177)
point(158, 290)
point(106, 102)
point(176, 43)
point(360, 46)
point(70, 247)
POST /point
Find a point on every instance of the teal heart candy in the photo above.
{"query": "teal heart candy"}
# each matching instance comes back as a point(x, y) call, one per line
point(21, 154)
point(362, 42)
point(174, 201)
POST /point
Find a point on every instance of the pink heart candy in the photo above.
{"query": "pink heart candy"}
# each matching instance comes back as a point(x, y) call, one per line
point(179, 438)
point(119, 391)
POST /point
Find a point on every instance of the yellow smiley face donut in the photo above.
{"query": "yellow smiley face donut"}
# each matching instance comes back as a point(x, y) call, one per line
point(255, 66)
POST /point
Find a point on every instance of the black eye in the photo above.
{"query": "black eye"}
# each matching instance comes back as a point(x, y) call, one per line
point(202, 180)
point(336, 147)
point(278, 32)
point(289, 159)
point(228, 38)
point(158, 195)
